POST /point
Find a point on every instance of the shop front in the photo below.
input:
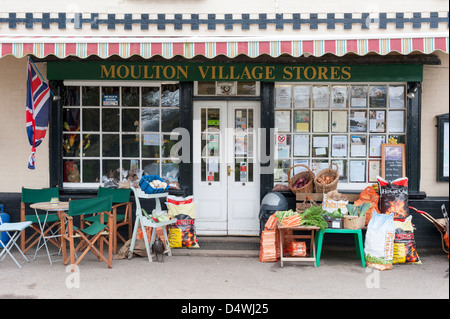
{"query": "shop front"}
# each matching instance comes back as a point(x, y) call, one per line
point(222, 106)
point(228, 133)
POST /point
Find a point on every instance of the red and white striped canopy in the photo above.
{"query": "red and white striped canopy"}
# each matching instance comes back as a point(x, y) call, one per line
point(125, 47)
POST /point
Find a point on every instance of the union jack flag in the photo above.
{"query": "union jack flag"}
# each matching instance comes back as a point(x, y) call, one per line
point(37, 110)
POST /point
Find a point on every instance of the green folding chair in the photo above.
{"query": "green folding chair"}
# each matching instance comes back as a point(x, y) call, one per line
point(121, 203)
point(32, 196)
point(99, 231)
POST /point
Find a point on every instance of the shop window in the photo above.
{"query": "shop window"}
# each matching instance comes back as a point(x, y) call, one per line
point(324, 123)
point(223, 88)
point(113, 132)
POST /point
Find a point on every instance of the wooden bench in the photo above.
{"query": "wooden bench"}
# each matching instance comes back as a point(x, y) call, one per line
point(318, 197)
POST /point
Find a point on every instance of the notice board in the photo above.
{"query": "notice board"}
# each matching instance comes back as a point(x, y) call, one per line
point(393, 161)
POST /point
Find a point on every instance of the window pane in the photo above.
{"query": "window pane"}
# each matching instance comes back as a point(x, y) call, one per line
point(111, 172)
point(110, 96)
point(150, 167)
point(110, 120)
point(170, 147)
point(71, 171)
point(246, 88)
point(170, 119)
point(130, 145)
point(130, 96)
point(71, 96)
point(91, 120)
point(130, 120)
point(91, 145)
point(150, 120)
point(206, 88)
point(71, 119)
point(111, 145)
point(91, 96)
point(170, 171)
point(91, 171)
point(71, 145)
point(150, 145)
point(170, 95)
point(150, 96)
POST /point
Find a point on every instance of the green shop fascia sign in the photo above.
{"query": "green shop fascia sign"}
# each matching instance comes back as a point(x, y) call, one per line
point(190, 71)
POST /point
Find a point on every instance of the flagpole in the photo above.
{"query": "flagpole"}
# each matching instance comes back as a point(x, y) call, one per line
point(42, 78)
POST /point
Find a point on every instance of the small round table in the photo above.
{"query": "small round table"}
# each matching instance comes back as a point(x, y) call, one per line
point(49, 208)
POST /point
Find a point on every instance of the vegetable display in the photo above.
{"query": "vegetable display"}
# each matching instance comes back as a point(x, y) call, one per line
point(312, 216)
point(326, 179)
point(360, 210)
point(301, 182)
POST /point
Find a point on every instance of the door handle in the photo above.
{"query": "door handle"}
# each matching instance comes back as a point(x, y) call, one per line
point(229, 170)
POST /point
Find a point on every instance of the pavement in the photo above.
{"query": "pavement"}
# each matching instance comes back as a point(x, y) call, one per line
point(194, 275)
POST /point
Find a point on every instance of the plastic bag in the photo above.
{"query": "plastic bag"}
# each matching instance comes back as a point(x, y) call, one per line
point(379, 244)
point(296, 249)
point(394, 197)
point(270, 246)
point(368, 195)
point(182, 233)
point(178, 200)
point(404, 243)
point(333, 201)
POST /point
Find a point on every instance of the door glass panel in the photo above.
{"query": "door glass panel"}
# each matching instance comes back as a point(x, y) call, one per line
point(241, 120)
point(213, 120)
point(210, 145)
point(243, 170)
point(240, 145)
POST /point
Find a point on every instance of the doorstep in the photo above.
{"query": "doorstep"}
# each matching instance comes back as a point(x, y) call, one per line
point(222, 246)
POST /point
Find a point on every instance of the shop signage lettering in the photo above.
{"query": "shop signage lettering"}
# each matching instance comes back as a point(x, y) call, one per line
point(224, 73)
point(185, 71)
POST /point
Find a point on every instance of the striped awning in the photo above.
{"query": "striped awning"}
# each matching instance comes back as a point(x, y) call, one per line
point(146, 47)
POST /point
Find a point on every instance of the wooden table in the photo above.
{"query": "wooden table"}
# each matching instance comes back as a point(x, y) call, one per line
point(49, 208)
point(312, 245)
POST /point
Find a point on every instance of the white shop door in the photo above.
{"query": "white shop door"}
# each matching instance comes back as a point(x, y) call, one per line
point(226, 170)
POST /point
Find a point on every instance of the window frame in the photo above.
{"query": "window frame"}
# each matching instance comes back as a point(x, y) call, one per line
point(120, 84)
point(343, 185)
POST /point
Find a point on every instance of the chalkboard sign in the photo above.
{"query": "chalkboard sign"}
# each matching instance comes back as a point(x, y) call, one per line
point(393, 161)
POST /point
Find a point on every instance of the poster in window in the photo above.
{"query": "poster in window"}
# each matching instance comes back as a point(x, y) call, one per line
point(320, 146)
point(302, 96)
point(342, 167)
point(321, 96)
point(396, 121)
point(359, 96)
point(339, 121)
point(377, 121)
point(319, 165)
point(338, 96)
point(396, 96)
point(301, 145)
point(358, 121)
point(357, 171)
point(283, 121)
point(339, 146)
point(299, 169)
point(283, 97)
point(320, 121)
point(374, 170)
point(283, 144)
point(302, 120)
point(375, 142)
point(358, 146)
point(377, 96)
